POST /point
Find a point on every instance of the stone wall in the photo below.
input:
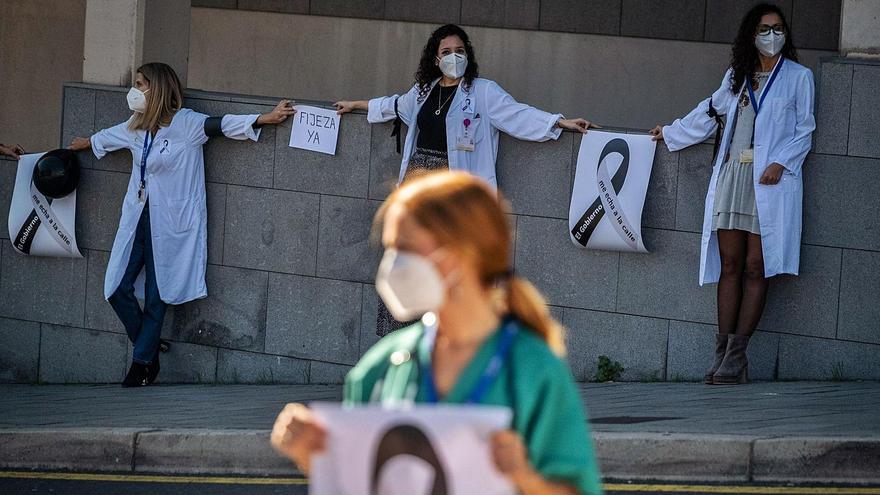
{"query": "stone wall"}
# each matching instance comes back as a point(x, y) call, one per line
point(291, 263)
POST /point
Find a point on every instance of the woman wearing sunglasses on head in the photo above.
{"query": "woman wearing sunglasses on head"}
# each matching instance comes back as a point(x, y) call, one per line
point(752, 220)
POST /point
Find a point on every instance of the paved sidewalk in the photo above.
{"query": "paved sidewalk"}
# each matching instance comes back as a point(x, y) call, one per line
point(780, 431)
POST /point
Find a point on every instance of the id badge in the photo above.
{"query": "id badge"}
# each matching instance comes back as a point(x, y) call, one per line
point(464, 143)
point(747, 156)
point(142, 195)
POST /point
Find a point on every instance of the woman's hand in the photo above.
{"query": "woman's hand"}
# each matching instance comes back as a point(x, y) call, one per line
point(298, 435)
point(80, 143)
point(345, 106)
point(579, 125)
point(12, 151)
point(279, 114)
point(656, 133)
point(772, 174)
point(512, 459)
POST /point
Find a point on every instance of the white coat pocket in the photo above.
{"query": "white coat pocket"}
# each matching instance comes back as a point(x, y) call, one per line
point(179, 213)
point(784, 112)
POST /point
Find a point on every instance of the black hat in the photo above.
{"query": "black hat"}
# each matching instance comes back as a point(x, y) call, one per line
point(56, 173)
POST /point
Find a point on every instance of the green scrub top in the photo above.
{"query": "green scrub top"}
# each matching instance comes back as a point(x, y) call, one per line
point(534, 383)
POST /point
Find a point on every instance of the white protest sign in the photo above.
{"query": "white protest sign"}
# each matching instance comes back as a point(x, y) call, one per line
point(613, 171)
point(40, 226)
point(421, 450)
point(315, 129)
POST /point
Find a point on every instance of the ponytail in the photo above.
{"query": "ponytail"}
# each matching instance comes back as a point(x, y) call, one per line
point(528, 306)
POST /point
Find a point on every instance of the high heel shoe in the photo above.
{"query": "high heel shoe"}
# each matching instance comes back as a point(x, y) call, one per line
point(137, 376)
point(720, 349)
point(734, 369)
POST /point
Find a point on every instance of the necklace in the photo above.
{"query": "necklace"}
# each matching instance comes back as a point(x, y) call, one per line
point(439, 95)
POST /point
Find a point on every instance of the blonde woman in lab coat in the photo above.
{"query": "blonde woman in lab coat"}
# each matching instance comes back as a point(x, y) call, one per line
point(163, 226)
point(752, 220)
point(453, 118)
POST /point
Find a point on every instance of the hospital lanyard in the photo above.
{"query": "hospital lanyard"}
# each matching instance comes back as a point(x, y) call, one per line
point(758, 103)
point(489, 375)
point(148, 145)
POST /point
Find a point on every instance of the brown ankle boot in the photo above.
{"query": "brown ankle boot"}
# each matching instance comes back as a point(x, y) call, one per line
point(734, 367)
point(720, 348)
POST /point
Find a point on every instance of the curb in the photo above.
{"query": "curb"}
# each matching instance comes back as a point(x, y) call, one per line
point(622, 456)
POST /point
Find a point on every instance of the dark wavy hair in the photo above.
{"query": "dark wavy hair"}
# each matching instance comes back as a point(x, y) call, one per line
point(428, 70)
point(744, 55)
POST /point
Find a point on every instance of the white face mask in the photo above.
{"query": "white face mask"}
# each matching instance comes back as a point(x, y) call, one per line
point(137, 100)
point(453, 65)
point(770, 44)
point(409, 284)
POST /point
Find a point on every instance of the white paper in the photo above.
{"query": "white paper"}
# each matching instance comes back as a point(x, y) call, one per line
point(45, 239)
point(600, 216)
point(455, 438)
point(315, 129)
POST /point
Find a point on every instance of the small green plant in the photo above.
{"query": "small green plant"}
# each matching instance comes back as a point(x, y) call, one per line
point(837, 372)
point(608, 370)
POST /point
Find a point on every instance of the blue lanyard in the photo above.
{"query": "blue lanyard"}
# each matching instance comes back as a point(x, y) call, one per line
point(756, 104)
point(148, 145)
point(487, 378)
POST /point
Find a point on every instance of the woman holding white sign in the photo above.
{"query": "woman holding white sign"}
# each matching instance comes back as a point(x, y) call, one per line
point(487, 338)
point(163, 226)
point(453, 117)
point(752, 221)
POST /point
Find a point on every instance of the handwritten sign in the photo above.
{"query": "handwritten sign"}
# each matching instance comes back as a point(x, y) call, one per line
point(315, 129)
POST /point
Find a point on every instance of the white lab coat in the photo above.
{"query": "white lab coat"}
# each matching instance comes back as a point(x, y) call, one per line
point(783, 134)
point(175, 184)
point(488, 107)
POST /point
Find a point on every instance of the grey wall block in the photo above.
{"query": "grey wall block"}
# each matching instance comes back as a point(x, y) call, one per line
point(313, 318)
point(327, 373)
point(231, 161)
point(347, 173)
point(535, 177)
point(694, 172)
point(285, 6)
point(581, 16)
point(346, 250)
point(267, 229)
point(519, 14)
point(661, 199)
point(665, 282)
point(433, 11)
point(692, 347)
point(670, 19)
point(809, 358)
point(836, 186)
point(723, 18)
point(78, 120)
point(384, 160)
point(860, 297)
point(370, 9)
point(864, 118)
point(638, 343)
point(567, 275)
point(74, 355)
point(99, 198)
point(806, 304)
point(19, 351)
point(233, 315)
point(369, 313)
point(8, 171)
point(833, 93)
point(218, 4)
point(251, 367)
point(48, 290)
point(188, 363)
point(111, 108)
point(99, 313)
point(215, 196)
point(816, 23)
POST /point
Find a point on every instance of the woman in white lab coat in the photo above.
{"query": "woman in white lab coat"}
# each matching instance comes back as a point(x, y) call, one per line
point(163, 227)
point(752, 220)
point(453, 118)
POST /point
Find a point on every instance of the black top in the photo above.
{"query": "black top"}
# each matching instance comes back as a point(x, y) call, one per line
point(432, 127)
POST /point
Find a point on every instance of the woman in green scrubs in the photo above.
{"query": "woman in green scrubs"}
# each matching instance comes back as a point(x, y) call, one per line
point(487, 337)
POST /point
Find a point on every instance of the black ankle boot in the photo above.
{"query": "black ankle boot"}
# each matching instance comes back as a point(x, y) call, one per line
point(137, 375)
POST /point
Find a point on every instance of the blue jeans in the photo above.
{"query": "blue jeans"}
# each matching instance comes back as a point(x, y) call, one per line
point(144, 327)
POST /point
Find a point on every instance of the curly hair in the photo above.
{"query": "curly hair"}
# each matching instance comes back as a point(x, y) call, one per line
point(428, 70)
point(744, 54)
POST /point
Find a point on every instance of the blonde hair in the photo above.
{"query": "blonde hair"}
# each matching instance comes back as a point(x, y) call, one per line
point(164, 99)
point(464, 214)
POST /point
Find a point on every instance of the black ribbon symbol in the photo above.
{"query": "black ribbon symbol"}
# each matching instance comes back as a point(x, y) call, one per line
point(588, 222)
